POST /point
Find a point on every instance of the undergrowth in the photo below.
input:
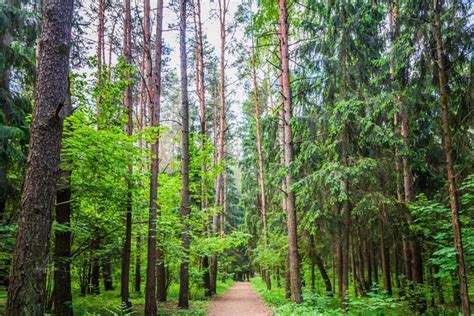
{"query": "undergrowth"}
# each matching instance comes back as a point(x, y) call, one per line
point(377, 303)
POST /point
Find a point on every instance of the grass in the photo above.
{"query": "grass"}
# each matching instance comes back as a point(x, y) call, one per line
point(109, 303)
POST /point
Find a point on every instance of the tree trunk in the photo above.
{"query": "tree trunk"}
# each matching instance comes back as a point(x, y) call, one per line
point(223, 6)
point(95, 264)
point(324, 275)
point(261, 168)
point(100, 35)
point(62, 251)
point(206, 276)
point(289, 155)
point(161, 285)
point(138, 265)
point(160, 256)
point(200, 82)
point(453, 193)
point(385, 256)
point(26, 293)
point(438, 285)
point(183, 301)
point(107, 273)
point(125, 275)
point(312, 256)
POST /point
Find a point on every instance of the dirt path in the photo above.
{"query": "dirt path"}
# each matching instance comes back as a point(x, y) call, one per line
point(240, 300)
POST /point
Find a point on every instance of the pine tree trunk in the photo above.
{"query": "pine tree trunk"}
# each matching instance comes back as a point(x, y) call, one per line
point(202, 113)
point(183, 301)
point(160, 276)
point(62, 251)
point(160, 256)
point(150, 284)
point(289, 155)
point(26, 292)
point(453, 193)
point(261, 168)
point(126, 251)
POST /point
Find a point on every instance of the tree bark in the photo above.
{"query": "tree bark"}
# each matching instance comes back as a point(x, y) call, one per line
point(183, 301)
point(26, 293)
point(289, 155)
point(448, 148)
point(62, 251)
point(125, 275)
point(161, 286)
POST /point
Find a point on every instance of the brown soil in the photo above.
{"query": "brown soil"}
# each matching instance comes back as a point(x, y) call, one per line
point(240, 300)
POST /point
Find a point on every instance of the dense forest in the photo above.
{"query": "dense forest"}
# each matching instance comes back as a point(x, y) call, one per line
point(155, 153)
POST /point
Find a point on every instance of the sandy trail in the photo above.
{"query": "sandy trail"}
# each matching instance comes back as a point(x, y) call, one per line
point(240, 300)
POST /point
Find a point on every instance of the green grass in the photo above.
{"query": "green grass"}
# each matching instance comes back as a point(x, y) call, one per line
point(109, 303)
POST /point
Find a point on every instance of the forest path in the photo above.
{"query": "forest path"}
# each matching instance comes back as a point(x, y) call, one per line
point(239, 300)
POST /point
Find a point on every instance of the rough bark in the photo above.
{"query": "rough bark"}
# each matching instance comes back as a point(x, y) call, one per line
point(26, 293)
point(289, 155)
point(448, 148)
point(183, 301)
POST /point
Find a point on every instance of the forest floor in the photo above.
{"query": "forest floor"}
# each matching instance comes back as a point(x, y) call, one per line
point(240, 300)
